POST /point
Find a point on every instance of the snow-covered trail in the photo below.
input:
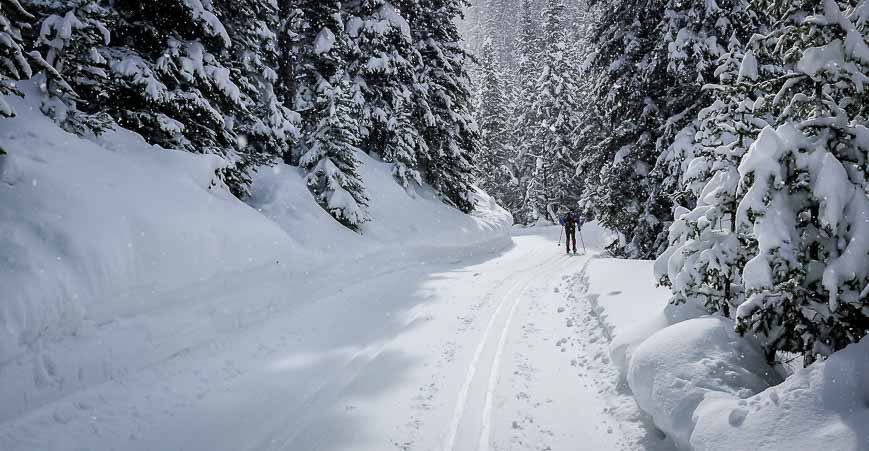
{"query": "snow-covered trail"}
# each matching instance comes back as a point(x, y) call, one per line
point(451, 349)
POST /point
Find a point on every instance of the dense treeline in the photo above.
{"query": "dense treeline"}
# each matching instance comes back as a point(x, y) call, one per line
point(727, 139)
point(308, 82)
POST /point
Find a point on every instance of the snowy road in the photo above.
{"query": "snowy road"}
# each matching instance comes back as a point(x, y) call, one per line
point(461, 349)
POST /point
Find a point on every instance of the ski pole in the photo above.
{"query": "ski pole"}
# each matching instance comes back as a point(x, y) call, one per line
point(559, 236)
point(582, 241)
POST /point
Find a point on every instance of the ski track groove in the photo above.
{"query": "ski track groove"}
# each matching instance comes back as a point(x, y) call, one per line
point(486, 430)
point(519, 288)
point(462, 400)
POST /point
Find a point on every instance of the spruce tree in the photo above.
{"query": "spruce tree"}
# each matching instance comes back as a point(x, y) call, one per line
point(382, 66)
point(707, 253)
point(14, 64)
point(71, 33)
point(554, 106)
point(628, 73)
point(329, 157)
point(443, 99)
point(807, 198)
point(156, 68)
point(167, 81)
point(526, 48)
point(493, 119)
point(329, 112)
point(266, 125)
point(695, 35)
point(652, 63)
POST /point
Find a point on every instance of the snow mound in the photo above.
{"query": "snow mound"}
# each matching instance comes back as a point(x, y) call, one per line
point(644, 322)
point(825, 406)
point(672, 371)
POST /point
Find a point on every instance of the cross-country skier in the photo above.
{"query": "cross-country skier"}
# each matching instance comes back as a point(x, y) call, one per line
point(570, 221)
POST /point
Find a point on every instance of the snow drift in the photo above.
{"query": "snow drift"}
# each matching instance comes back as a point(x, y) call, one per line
point(825, 406)
point(671, 372)
point(709, 389)
point(98, 237)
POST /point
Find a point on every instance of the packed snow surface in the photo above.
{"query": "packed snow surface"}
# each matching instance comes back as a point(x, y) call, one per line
point(145, 308)
point(117, 255)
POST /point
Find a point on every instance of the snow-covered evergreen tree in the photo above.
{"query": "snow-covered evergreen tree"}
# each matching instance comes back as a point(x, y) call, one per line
point(329, 156)
point(695, 36)
point(652, 62)
point(443, 99)
point(807, 198)
point(628, 77)
point(71, 32)
point(493, 117)
point(14, 63)
point(382, 65)
point(267, 126)
point(167, 81)
point(554, 106)
point(526, 48)
point(707, 253)
point(330, 111)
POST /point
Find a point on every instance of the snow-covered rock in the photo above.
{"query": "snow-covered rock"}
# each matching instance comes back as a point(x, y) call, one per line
point(823, 407)
point(672, 371)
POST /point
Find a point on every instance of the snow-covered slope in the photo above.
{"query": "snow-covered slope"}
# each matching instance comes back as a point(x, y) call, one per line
point(101, 240)
point(401, 218)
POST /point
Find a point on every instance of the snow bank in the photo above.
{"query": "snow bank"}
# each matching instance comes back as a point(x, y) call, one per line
point(402, 219)
point(84, 227)
point(90, 233)
point(623, 293)
point(672, 371)
point(627, 303)
point(101, 241)
point(647, 323)
point(823, 407)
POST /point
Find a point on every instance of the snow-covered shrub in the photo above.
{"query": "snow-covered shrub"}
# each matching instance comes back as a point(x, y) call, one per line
point(672, 371)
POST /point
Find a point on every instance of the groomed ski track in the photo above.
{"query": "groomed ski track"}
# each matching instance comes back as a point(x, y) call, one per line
point(490, 348)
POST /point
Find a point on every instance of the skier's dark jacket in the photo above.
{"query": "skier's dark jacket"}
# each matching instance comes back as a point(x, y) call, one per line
point(570, 221)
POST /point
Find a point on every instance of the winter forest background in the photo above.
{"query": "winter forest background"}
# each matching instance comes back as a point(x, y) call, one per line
point(726, 139)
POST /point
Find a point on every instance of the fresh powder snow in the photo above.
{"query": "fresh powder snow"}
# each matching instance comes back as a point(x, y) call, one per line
point(307, 225)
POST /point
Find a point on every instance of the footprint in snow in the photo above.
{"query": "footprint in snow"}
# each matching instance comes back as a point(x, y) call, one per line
point(737, 417)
